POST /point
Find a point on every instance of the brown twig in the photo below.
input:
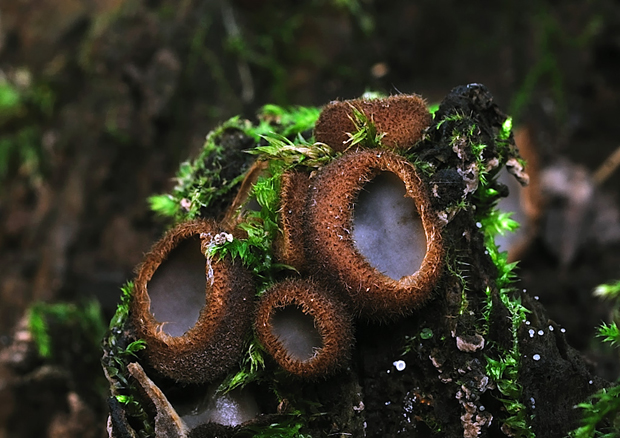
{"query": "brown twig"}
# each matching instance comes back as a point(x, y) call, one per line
point(608, 167)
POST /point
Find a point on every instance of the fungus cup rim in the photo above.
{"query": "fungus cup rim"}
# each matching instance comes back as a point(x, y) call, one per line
point(332, 247)
point(190, 357)
point(332, 320)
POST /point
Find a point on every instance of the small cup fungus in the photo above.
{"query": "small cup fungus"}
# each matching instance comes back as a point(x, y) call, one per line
point(306, 331)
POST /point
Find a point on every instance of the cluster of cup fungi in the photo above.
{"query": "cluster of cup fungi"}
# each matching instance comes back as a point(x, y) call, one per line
point(359, 231)
point(359, 236)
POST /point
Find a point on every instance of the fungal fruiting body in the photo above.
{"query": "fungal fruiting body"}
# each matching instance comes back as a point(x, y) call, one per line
point(370, 227)
point(358, 227)
point(399, 120)
point(306, 330)
point(192, 312)
point(230, 408)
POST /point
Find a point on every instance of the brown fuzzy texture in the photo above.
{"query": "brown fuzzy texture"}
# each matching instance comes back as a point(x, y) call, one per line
point(214, 344)
point(331, 318)
point(332, 251)
point(402, 119)
point(289, 246)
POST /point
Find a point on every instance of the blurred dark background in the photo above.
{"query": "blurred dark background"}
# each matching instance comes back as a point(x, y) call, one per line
point(100, 100)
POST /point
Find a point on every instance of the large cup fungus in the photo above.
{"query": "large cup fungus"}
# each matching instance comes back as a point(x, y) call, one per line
point(370, 227)
point(192, 312)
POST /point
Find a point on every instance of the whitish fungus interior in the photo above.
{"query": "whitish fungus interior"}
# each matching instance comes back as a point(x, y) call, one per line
point(178, 287)
point(387, 229)
point(297, 332)
point(230, 409)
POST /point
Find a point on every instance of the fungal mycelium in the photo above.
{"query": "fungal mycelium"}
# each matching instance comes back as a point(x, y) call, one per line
point(295, 313)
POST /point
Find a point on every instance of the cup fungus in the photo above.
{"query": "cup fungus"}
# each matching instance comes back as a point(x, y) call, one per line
point(192, 312)
point(370, 227)
point(306, 330)
point(400, 119)
point(231, 408)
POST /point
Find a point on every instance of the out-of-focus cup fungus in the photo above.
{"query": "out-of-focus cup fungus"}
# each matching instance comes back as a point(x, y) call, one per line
point(525, 203)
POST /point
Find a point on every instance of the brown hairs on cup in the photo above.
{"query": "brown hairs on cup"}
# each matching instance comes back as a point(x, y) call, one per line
point(371, 230)
point(307, 331)
point(193, 314)
point(401, 119)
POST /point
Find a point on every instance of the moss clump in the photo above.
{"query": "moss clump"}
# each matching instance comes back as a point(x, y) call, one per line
point(205, 186)
point(52, 323)
point(119, 350)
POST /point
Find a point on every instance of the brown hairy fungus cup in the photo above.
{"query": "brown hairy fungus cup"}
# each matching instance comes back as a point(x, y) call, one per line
point(289, 244)
point(370, 229)
point(193, 313)
point(400, 120)
point(306, 330)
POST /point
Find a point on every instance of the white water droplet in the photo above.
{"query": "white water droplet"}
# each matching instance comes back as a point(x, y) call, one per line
point(400, 365)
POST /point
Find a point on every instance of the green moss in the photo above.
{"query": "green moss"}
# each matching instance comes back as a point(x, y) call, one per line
point(206, 184)
point(23, 109)
point(458, 269)
point(290, 121)
point(10, 99)
point(610, 333)
point(300, 152)
point(64, 318)
point(505, 369)
point(433, 108)
point(506, 130)
point(291, 427)
point(202, 182)
point(256, 250)
point(365, 131)
point(601, 413)
point(118, 354)
point(609, 290)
